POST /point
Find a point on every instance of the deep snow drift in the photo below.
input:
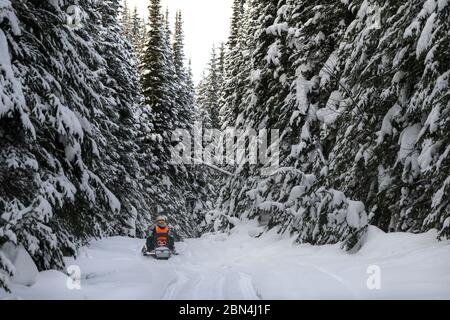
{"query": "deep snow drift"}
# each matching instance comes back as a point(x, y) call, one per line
point(242, 267)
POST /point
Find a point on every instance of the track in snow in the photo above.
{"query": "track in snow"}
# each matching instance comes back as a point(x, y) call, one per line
point(242, 267)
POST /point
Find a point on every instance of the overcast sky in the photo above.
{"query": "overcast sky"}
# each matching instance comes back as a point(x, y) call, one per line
point(206, 22)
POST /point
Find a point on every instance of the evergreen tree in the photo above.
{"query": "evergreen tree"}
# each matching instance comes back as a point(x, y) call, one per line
point(209, 90)
point(137, 33)
point(158, 77)
point(201, 101)
point(126, 21)
point(190, 81)
point(236, 22)
point(221, 68)
point(185, 97)
point(178, 45)
point(232, 94)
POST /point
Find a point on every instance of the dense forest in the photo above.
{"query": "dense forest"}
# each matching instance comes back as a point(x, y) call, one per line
point(90, 93)
point(360, 93)
point(83, 142)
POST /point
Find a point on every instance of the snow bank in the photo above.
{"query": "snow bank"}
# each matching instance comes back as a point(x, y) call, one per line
point(381, 244)
point(25, 270)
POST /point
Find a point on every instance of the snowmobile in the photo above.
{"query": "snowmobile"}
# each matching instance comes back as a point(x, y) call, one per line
point(161, 251)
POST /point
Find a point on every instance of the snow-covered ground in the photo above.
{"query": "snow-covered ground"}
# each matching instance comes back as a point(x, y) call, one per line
point(241, 267)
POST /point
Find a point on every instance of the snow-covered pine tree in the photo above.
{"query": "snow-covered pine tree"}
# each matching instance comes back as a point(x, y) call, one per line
point(185, 99)
point(201, 101)
point(231, 92)
point(209, 92)
point(126, 20)
point(221, 66)
point(158, 79)
point(135, 23)
point(190, 81)
point(137, 32)
point(178, 44)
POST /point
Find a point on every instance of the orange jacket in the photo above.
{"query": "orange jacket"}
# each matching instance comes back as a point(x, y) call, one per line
point(161, 234)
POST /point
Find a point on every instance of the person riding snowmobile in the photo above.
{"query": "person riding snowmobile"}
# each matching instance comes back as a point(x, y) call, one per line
point(160, 231)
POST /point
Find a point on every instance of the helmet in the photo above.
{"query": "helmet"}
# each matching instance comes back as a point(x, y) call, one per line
point(161, 221)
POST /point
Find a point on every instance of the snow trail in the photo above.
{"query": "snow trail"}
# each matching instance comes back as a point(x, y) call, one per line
point(242, 267)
